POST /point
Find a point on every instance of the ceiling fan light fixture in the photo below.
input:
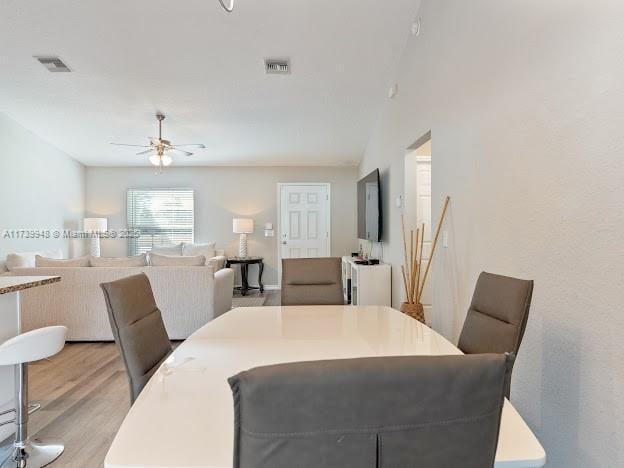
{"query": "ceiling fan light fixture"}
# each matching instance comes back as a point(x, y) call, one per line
point(159, 147)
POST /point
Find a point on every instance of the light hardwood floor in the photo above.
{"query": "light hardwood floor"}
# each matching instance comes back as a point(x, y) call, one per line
point(84, 397)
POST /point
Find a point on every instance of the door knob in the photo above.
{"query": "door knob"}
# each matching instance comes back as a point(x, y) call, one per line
point(284, 242)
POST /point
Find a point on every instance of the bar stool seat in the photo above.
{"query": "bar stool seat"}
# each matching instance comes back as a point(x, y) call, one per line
point(19, 351)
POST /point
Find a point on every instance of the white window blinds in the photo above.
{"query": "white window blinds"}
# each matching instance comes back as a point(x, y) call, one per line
point(162, 216)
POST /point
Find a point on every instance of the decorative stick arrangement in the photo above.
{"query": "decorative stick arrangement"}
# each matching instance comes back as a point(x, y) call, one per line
point(414, 280)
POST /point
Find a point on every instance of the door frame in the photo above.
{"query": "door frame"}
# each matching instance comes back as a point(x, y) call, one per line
point(279, 221)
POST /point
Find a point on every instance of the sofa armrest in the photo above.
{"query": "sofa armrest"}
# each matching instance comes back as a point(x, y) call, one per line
point(219, 253)
point(223, 288)
point(217, 263)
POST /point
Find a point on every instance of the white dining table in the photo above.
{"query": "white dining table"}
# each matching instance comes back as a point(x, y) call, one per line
point(184, 417)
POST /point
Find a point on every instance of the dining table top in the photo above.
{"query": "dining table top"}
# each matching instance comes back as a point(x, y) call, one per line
point(184, 417)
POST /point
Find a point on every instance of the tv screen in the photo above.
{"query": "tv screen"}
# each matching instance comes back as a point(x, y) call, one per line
point(369, 207)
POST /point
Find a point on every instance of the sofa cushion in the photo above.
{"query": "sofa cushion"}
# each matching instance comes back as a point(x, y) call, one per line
point(53, 262)
point(172, 249)
point(27, 259)
point(208, 249)
point(139, 260)
point(170, 260)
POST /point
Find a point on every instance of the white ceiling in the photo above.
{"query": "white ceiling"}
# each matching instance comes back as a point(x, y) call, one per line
point(204, 69)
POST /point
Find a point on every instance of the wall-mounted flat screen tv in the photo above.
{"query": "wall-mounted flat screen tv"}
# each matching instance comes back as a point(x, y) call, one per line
point(369, 207)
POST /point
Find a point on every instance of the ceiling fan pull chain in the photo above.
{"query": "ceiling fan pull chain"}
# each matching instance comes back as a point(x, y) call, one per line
point(230, 8)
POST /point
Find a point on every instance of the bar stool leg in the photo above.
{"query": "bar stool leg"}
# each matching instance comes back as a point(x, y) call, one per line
point(28, 453)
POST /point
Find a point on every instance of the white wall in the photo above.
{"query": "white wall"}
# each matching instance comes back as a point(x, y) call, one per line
point(223, 193)
point(40, 188)
point(524, 100)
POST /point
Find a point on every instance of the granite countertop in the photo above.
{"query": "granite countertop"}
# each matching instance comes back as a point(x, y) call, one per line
point(9, 284)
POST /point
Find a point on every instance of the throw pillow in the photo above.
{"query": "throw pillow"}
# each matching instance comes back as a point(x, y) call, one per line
point(53, 262)
point(138, 261)
point(27, 259)
point(170, 260)
point(208, 249)
point(172, 250)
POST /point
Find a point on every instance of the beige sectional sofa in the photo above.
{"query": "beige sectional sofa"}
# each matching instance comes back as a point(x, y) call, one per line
point(188, 297)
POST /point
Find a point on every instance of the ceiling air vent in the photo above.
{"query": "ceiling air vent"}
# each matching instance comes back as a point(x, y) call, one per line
point(53, 64)
point(277, 66)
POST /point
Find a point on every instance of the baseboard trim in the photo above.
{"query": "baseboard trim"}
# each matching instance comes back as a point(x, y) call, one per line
point(267, 287)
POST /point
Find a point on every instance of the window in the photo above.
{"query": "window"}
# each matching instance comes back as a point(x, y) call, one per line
point(162, 216)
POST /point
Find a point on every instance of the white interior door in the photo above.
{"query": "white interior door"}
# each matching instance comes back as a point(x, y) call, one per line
point(423, 215)
point(304, 220)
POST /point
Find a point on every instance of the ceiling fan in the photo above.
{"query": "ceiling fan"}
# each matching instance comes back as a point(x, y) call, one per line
point(161, 149)
point(227, 7)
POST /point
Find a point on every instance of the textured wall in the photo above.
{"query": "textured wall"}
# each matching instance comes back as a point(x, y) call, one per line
point(524, 101)
point(40, 188)
point(223, 193)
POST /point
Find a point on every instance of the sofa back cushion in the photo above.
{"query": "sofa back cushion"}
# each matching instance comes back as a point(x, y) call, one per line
point(169, 260)
point(53, 262)
point(184, 295)
point(173, 249)
point(138, 261)
point(27, 259)
point(208, 249)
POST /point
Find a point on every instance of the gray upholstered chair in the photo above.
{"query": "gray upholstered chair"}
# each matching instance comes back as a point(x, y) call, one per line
point(312, 281)
point(424, 411)
point(497, 316)
point(138, 328)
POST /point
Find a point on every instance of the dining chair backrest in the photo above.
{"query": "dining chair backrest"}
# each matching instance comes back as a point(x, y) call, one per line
point(312, 281)
point(138, 328)
point(497, 316)
point(425, 411)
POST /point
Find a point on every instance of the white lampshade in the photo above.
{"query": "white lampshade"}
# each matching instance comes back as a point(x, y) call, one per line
point(242, 225)
point(95, 224)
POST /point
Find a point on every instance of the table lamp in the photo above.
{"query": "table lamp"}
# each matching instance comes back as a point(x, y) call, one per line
point(95, 226)
point(242, 226)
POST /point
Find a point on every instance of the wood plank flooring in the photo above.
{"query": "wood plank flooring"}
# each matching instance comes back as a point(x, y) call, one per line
point(84, 398)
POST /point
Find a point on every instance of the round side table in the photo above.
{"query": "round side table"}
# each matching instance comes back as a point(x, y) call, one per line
point(244, 263)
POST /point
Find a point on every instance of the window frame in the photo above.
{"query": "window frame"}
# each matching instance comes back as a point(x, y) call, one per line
point(134, 244)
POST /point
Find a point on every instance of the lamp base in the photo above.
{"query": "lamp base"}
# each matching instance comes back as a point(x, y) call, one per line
point(94, 246)
point(242, 246)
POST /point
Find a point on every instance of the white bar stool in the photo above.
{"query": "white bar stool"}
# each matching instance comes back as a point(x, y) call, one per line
point(19, 351)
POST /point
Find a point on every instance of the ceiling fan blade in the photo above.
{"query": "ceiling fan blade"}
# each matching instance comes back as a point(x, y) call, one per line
point(191, 145)
point(151, 150)
point(126, 144)
point(176, 150)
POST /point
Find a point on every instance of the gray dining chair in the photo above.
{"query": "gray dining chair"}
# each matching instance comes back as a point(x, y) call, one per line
point(497, 316)
point(425, 411)
point(138, 328)
point(312, 281)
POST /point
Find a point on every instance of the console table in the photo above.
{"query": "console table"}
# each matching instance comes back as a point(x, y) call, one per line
point(244, 263)
point(366, 284)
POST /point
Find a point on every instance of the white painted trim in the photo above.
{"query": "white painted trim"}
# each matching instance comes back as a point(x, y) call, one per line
point(279, 221)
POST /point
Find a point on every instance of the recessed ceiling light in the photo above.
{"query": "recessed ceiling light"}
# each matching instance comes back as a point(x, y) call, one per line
point(53, 64)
